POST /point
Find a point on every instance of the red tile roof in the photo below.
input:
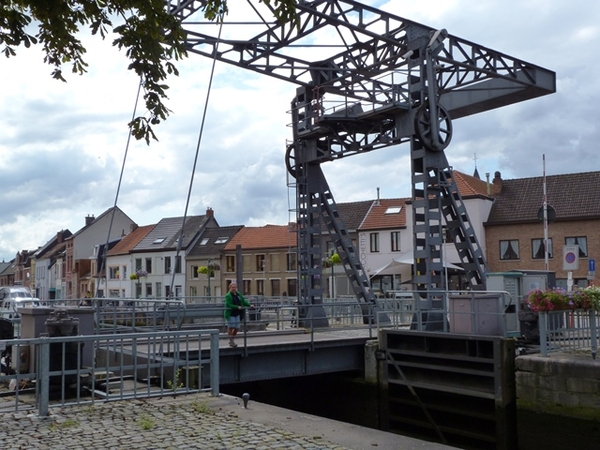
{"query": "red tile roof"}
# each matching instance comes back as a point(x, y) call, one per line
point(379, 216)
point(131, 240)
point(269, 236)
point(469, 186)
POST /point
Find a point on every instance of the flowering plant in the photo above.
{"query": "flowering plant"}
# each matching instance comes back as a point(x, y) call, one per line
point(559, 299)
point(593, 293)
point(210, 268)
point(138, 274)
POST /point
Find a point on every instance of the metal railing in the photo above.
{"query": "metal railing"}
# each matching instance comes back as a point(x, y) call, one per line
point(60, 371)
point(568, 331)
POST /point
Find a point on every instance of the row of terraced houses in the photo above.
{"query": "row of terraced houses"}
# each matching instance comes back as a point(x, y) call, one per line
point(504, 214)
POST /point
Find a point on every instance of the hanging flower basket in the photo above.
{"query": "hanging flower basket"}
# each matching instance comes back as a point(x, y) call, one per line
point(210, 268)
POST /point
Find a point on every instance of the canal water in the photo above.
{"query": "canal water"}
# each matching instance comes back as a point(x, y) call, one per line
point(347, 398)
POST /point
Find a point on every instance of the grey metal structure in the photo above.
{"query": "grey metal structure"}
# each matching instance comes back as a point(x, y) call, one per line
point(368, 79)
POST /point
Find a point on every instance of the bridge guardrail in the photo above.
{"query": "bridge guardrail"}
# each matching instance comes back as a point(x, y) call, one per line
point(59, 371)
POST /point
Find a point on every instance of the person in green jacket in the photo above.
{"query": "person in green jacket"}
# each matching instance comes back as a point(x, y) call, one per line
point(234, 310)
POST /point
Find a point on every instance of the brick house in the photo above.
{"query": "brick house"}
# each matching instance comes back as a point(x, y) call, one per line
point(515, 233)
point(269, 260)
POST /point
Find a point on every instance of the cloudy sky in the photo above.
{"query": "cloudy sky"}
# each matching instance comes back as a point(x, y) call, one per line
point(62, 144)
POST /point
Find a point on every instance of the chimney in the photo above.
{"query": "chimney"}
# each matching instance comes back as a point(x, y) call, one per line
point(377, 202)
point(487, 183)
point(210, 212)
point(497, 181)
point(59, 237)
point(89, 219)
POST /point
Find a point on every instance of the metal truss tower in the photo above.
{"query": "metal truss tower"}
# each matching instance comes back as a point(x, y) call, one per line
point(368, 79)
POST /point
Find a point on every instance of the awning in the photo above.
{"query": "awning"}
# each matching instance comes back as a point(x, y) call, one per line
point(405, 259)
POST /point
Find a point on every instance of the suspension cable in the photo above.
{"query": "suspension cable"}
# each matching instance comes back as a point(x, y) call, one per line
point(187, 203)
point(104, 266)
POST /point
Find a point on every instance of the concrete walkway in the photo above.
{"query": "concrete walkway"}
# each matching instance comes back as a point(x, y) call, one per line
point(191, 422)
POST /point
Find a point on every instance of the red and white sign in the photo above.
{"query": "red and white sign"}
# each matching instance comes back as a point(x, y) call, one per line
point(571, 257)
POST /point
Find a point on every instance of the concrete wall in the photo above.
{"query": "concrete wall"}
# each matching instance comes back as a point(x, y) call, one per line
point(562, 380)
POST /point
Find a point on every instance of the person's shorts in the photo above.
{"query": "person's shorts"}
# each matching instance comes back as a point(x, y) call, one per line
point(233, 322)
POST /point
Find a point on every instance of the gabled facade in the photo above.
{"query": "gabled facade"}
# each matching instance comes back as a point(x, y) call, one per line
point(515, 233)
point(269, 261)
point(7, 273)
point(383, 236)
point(384, 231)
point(22, 263)
point(82, 245)
point(206, 250)
point(44, 284)
point(158, 257)
point(120, 263)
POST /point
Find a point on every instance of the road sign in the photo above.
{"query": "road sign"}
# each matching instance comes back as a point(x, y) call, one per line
point(571, 257)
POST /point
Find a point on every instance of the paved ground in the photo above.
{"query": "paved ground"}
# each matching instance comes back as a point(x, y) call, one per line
point(190, 422)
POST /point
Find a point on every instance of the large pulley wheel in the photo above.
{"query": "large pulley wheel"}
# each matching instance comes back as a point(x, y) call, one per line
point(433, 140)
point(290, 160)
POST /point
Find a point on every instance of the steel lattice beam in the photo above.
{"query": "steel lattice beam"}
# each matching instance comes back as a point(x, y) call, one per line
point(368, 79)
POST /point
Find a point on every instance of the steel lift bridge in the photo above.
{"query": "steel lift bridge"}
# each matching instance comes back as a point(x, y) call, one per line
point(367, 79)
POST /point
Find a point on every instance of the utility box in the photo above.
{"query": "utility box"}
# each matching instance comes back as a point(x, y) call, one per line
point(477, 313)
point(518, 284)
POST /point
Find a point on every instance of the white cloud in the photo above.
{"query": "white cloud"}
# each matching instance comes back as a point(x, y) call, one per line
point(62, 144)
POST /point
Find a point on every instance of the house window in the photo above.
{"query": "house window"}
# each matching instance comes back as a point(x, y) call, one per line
point(178, 264)
point(509, 250)
point(149, 265)
point(113, 273)
point(193, 291)
point(374, 240)
point(230, 263)
point(113, 293)
point(167, 264)
point(581, 241)
point(158, 289)
point(395, 235)
point(138, 264)
point(124, 272)
point(292, 287)
point(195, 272)
point(537, 249)
point(292, 261)
point(260, 287)
point(260, 263)
point(246, 286)
point(148, 289)
point(276, 287)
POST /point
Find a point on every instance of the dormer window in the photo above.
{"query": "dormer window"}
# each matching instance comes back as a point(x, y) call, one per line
point(159, 240)
point(221, 240)
point(393, 210)
point(204, 241)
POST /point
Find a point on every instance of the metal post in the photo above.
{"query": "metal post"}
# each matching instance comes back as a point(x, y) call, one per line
point(543, 322)
point(593, 332)
point(214, 364)
point(43, 371)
